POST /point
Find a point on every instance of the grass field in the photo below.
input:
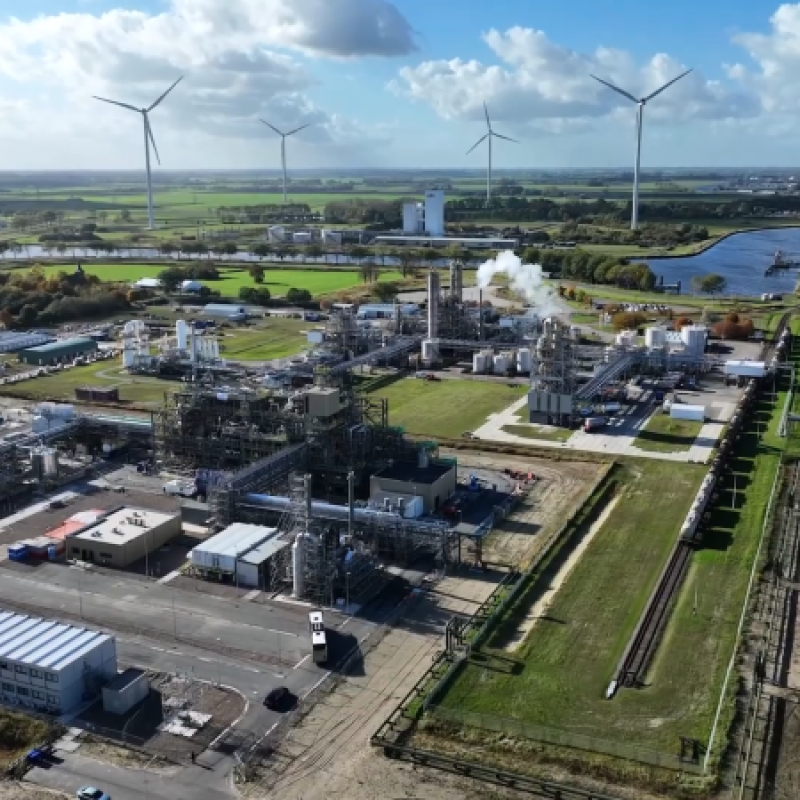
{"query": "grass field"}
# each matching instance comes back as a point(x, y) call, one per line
point(446, 408)
point(662, 434)
point(18, 734)
point(276, 337)
point(559, 675)
point(545, 434)
point(278, 281)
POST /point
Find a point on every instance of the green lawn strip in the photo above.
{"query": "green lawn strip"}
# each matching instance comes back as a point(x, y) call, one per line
point(545, 434)
point(278, 338)
point(570, 656)
point(446, 408)
point(662, 434)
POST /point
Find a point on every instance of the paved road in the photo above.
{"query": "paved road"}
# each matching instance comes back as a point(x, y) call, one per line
point(267, 632)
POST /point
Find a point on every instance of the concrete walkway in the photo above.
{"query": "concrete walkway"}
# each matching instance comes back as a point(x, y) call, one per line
point(615, 440)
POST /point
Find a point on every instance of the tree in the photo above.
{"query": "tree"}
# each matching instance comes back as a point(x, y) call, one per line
point(298, 295)
point(27, 315)
point(682, 322)
point(628, 321)
point(171, 278)
point(256, 273)
point(125, 215)
point(229, 249)
point(709, 284)
point(385, 292)
point(7, 318)
point(314, 252)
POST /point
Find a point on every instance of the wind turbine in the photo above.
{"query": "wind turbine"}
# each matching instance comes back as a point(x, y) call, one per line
point(283, 148)
point(490, 135)
point(641, 102)
point(148, 138)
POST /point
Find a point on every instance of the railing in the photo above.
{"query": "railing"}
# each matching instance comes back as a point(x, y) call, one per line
point(561, 738)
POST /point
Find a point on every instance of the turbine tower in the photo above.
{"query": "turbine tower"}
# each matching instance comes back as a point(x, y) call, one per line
point(283, 148)
point(148, 138)
point(641, 102)
point(489, 135)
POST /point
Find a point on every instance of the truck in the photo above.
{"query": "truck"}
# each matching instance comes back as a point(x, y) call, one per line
point(180, 488)
point(591, 424)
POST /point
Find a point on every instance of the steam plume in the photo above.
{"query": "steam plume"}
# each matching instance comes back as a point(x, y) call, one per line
point(526, 279)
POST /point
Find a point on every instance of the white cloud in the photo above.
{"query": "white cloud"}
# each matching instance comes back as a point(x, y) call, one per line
point(242, 59)
point(537, 83)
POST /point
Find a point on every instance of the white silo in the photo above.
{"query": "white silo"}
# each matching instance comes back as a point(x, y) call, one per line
point(655, 337)
point(429, 351)
point(215, 348)
point(182, 333)
point(50, 461)
point(128, 358)
point(501, 363)
point(479, 363)
point(298, 565)
point(694, 337)
point(523, 359)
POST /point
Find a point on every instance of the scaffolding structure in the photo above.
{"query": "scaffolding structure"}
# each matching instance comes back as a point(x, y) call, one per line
point(554, 374)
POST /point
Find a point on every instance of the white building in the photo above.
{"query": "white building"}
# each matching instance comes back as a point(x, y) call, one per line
point(427, 217)
point(50, 666)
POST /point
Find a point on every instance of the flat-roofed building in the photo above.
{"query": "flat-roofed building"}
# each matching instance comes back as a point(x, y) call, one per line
point(53, 667)
point(123, 536)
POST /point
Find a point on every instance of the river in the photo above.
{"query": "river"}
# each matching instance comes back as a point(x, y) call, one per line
point(741, 259)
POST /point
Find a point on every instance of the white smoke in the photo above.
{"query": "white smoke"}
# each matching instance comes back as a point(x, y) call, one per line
point(526, 279)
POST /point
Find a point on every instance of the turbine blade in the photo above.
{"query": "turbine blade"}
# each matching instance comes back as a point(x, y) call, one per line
point(486, 111)
point(480, 141)
point(116, 103)
point(666, 85)
point(507, 138)
point(152, 138)
point(165, 94)
point(616, 89)
point(299, 129)
point(280, 133)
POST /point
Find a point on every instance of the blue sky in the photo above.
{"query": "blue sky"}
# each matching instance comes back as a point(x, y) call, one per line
point(398, 83)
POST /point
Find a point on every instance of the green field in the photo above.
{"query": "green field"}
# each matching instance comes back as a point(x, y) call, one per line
point(278, 281)
point(276, 337)
point(558, 677)
point(662, 434)
point(446, 408)
point(543, 434)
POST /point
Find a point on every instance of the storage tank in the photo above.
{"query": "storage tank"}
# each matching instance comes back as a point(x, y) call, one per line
point(128, 358)
point(655, 337)
point(429, 351)
point(479, 364)
point(37, 463)
point(182, 333)
point(626, 338)
point(215, 348)
point(298, 565)
point(501, 363)
point(50, 459)
point(523, 360)
point(694, 337)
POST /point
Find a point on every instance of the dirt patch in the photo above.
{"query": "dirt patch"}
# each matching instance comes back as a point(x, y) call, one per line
point(539, 608)
point(13, 790)
point(123, 757)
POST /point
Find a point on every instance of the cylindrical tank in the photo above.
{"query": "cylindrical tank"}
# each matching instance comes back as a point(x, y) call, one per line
point(50, 459)
point(37, 463)
point(655, 337)
point(298, 565)
point(215, 348)
point(479, 363)
point(694, 337)
point(182, 333)
point(128, 358)
point(523, 360)
point(500, 364)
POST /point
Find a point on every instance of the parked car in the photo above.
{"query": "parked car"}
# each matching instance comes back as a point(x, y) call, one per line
point(276, 697)
point(91, 793)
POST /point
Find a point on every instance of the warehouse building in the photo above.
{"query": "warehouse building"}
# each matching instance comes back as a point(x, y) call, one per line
point(124, 536)
point(57, 352)
point(241, 553)
point(432, 481)
point(51, 667)
point(223, 311)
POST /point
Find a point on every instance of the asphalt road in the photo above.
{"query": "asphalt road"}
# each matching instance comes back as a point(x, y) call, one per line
point(264, 632)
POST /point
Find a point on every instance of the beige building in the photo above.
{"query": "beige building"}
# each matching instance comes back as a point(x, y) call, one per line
point(434, 482)
point(123, 536)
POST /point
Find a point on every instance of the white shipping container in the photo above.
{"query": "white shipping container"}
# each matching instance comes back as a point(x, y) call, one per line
point(684, 411)
point(747, 369)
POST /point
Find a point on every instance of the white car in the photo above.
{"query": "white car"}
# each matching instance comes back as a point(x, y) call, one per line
point(91, 793)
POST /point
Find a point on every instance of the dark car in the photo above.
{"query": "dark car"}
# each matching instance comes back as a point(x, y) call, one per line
point(276, 698)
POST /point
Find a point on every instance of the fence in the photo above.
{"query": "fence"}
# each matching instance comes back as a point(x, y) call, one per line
point(562, 738)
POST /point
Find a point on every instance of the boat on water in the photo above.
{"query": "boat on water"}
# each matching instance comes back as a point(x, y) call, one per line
point(781, 262)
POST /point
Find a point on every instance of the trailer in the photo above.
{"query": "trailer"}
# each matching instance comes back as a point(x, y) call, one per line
point(684, 411)
point(591, 424)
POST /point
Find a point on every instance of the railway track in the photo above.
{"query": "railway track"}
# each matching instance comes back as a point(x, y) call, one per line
point(646, 638)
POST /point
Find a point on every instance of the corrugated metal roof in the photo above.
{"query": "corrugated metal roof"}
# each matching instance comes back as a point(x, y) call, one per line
point(63, 344)
point(236, 540)
point(44, 643)
point(259, 554)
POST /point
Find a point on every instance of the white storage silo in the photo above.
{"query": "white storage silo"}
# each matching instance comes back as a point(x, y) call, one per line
point(523, 360)
point(128, 358)
point(182, 333)
point(694, 337)
point(215, 348)
point(50, 461)
point(479, 363)
point(655, 337)
point(298, 565)
point(501, 364)
point(429, 351)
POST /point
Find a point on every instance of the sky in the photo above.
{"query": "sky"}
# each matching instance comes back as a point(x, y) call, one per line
point(398, 83)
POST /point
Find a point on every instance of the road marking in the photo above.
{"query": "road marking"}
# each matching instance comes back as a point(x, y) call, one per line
point(301, 661)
